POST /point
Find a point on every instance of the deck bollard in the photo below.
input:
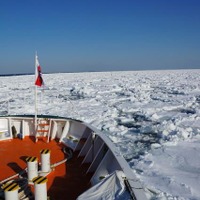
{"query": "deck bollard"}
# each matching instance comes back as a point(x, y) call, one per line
point(45, 160)
point(40, 184)
point(32, 165)
point(11, 191)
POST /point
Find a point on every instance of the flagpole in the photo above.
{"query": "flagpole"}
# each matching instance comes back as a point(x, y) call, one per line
point(36, 109)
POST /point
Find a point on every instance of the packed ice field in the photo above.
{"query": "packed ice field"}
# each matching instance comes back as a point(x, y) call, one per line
point(153, 117)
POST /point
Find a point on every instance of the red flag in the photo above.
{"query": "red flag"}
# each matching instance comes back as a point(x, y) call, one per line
point(39, 81)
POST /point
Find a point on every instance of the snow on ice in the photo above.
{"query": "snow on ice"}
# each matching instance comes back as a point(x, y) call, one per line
point(153, 117)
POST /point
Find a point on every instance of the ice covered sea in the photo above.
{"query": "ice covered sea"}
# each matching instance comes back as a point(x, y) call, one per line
point(153, 117)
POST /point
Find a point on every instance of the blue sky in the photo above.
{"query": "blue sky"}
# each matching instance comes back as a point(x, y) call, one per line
point(99, 35)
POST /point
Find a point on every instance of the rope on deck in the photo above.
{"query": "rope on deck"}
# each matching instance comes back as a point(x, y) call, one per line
point(69, 154)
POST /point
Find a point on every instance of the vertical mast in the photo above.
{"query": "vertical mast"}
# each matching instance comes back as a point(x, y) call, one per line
point(36, 93)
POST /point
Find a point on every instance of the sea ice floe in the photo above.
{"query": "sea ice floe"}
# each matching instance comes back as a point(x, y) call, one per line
point(153, 117)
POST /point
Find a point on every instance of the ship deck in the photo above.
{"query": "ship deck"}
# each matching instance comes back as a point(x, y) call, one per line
point(67, 181)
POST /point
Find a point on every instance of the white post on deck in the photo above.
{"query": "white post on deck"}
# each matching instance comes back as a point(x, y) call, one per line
point(45, 160)
point(40, 184)
point(36, 108)
point(11, 191)
point(32, 167)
